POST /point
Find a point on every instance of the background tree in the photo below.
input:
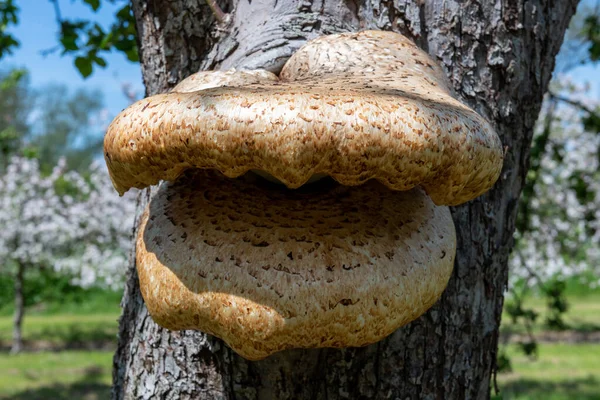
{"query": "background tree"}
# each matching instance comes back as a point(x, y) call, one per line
point(582, 39)
point(53, 217)
point(500, 59)
point(50, 122)
point(557, 231)
point(73, 224)
point(558, 226)
point(14, 109)
point(67, 125)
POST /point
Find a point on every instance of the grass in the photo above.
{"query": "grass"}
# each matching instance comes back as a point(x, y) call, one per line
point(71, 320)
point(47, 292)
point(84, 303)
point(66, 375)
point(63, 330)
point(561, 372)
point(583, 314)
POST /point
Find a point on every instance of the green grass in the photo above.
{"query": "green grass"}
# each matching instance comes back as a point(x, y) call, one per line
point(66, 375)
point(47, 292)
point(90, 302)
point(578, 285)
point(561, 372)
point(65, 318)
point(62, 330)
point(583, 314)
point(93, 302)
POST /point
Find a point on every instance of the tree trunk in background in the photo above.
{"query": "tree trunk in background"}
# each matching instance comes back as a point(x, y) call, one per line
point(17, 343)
point(499, 57)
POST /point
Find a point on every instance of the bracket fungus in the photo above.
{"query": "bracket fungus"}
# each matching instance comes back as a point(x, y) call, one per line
point(363, 131)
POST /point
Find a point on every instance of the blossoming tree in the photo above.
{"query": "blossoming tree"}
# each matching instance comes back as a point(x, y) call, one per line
point(559, 225)
point(67, 221)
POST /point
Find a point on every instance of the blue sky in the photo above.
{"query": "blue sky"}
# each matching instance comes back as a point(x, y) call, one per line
point(37, 31)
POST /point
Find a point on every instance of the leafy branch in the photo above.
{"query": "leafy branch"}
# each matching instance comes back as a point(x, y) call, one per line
point(87, 41)
point(8, 17)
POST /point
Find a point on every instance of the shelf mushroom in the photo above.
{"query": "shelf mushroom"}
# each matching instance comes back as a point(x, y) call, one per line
point(367, 147)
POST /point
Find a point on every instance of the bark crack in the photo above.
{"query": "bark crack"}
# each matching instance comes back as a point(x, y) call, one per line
point(231, 372)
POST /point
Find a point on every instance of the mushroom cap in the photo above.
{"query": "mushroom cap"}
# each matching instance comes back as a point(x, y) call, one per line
point(232, 78)
point(267, 269)
point(354, 106)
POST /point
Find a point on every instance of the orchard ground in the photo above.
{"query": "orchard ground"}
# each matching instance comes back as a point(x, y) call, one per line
point(70, 341)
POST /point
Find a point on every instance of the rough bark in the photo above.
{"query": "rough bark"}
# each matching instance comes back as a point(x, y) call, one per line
point(499, 57)
point(17, 343)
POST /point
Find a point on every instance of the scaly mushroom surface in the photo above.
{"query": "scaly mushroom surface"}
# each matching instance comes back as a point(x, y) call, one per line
point(358, 106)
point(268, 269)
point(342, 261)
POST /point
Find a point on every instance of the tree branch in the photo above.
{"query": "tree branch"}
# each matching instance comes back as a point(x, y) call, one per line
point(220, 16)
point(57, 12)
point(574, 103)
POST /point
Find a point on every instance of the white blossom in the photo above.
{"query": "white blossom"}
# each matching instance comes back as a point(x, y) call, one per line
point(74, 224)
point(564, 232)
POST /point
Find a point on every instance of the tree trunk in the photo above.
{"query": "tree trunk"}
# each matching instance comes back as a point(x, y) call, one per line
point(17, 343)
point(499, 57)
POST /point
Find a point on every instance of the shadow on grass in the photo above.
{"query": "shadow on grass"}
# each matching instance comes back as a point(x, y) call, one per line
point(75, 333)
point(574, 325)
point(89, 387)
point(585, 327)
point(70, 337)
point(530, 389)
point(566, 336)
point(45, 345)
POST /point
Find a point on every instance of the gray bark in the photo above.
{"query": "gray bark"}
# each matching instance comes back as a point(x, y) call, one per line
point(499, 57)
point(17, 342)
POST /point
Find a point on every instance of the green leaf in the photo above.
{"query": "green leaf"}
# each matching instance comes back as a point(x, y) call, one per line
point(69, 43)
point(100, 61)
point(529, 348)
point(591, 30)
point(105, 43)
point(503, 363)
point(84, 65)
point(30, 152)
point(591, 122)
point(124, 13)
point(132, 55)
point(7, 42)
point(95, 4)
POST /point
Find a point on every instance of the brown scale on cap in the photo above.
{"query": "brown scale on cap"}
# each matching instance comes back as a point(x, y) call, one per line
point(268, 269)
point(232, 78)
point(354, 106)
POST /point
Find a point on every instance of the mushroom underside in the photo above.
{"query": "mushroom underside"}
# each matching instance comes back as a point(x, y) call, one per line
point(267, 268)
